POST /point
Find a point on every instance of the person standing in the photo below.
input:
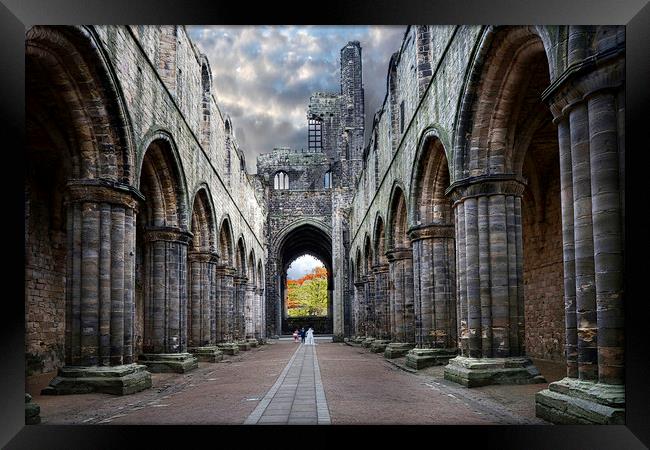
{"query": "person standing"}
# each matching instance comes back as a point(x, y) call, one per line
point(295, 335)
point(302, 335)
point(310, 337)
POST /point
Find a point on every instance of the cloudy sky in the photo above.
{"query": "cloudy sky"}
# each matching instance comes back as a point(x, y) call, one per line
point(263, 75)
point(302, 265)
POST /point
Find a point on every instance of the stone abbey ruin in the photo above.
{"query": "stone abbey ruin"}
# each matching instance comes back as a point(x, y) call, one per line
point(478, 225)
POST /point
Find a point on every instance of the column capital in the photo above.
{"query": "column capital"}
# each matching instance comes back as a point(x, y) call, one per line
point(104, 191)
point(170, 234)
point(398, 254)
point(240, 279)
point(431, 231)
point(209, 257)
point(380, 268)
point(359, 283)
point(225, 270)
point(486, 185)
point(602, 71)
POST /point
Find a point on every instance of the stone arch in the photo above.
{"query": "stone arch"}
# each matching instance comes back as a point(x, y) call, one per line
point(429, 182)
point(68, 69)
point(396, 229)
point(252, 274)
point(203, 224)
point(391, 89)
point(80, 205)
point(240, 257)
point(162, 182)
point(206, 97)
point(367, 254)
point(502, 56)
point(304, 236)
point(226, 248)
point(379, 240)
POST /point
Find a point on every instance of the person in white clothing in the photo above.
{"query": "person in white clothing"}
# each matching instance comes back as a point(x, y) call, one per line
point(310, 337)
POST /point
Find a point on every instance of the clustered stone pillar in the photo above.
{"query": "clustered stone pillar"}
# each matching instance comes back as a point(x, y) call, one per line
point(490, 272)
point(382, 309)
point(240, 283)
point(250, 311)
point(259, 314)
point(591, 151)
point(369, 291)
point(165, 314)
point(226, 309)
point(400, 266)
point(203, 306)
point(359, 308)
point(100, 292)
point(434, 295)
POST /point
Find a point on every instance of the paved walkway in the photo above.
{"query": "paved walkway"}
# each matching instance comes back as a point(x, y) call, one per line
point(297, 397)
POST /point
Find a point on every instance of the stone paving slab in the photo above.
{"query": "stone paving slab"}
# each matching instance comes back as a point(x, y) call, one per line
point(297, 397)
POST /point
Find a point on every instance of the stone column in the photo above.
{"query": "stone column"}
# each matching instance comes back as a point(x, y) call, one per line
point(250, 310)
point(259, 314)
point(240, 284)
point(100, 279)
point(165, 304)
point(434, 277)
point(359, 309)
point(370, 306)
point(202, 305)
point(226, 310)
point(400, 267)
point(490, 271)
point(382, 309)
point(588, 113)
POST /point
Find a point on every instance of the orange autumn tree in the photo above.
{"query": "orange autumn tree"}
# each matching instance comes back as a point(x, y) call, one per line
point(307, 296)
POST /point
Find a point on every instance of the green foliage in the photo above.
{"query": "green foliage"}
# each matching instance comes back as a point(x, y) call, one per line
point(307, 296)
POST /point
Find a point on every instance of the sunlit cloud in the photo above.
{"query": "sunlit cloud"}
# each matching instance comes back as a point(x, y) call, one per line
point(303, 265)
point(263, 76)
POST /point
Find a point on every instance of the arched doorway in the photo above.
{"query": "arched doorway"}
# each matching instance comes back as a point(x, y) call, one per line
point(305, 239)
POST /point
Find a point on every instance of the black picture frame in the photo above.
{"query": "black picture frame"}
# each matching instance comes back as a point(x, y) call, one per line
point(16, 15)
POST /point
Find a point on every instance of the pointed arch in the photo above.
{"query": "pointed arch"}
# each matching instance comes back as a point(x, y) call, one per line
point(397, 219)
point(429, 181)
point(203, 224)
point(70, 82)
point(379, 240)
point(485, 138)
point(226, 249)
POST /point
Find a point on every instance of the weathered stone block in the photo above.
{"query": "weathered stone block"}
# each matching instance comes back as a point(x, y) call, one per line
point(207, 354)
point(573, 401)
point(419, 358)
point(244, 346)
point(473, 372)
point(117, 380)
point(367, 342)
point(229, 348)
point(397, 349)
point(252, 342)
point(32, 411)
point(169, 362)
point(379, 345)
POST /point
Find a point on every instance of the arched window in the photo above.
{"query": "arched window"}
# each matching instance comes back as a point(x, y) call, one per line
point(327, 180)
point(281, 180)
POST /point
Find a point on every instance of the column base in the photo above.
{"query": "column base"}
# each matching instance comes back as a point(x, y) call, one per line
point(338, 338)
point(358, 340)
point(573, 401)
point(32, 411)
point(379, 345)
point(228, 348)
point(367, 342)
point(117, 380)
point(169, 362)
point(252, 342)
point(473, 372)
point(243, 346)
point(419, 358)
point(206, 354)
point(397, 349)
